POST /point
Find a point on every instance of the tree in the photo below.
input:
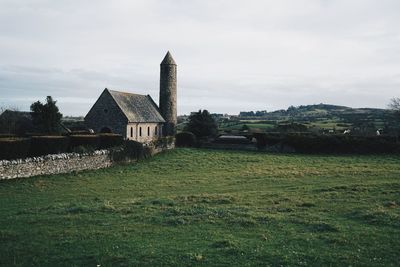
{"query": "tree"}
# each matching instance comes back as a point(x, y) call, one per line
point(46, 117)
point(394, 125)
point(394, 104)
point(202, 124)
point(292, 110)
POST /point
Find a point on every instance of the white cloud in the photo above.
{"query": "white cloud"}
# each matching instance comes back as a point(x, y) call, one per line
point(232, 55)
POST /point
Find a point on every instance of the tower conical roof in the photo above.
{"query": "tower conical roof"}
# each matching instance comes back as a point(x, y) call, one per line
point(168, 60)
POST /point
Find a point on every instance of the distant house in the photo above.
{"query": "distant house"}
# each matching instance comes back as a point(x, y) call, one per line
point(16, 122)
point(135, 117)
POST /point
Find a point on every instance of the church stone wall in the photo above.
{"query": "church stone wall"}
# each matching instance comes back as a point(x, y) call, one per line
point(106, 114)
point(133, 131)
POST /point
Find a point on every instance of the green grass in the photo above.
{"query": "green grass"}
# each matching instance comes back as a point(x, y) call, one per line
point(192, 207)
point(250, 124)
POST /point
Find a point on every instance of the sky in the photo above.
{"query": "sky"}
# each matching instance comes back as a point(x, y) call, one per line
point(232, 55)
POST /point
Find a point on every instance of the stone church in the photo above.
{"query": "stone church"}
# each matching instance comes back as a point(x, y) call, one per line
point(137, 117)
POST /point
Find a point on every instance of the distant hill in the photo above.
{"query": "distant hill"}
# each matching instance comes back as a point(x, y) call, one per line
point(316, 118)
point(319, 112)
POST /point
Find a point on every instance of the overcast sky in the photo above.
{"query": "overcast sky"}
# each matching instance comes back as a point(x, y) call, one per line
point(232, 55)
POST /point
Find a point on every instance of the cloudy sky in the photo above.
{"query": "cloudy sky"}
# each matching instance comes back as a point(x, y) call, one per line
point(232, 55)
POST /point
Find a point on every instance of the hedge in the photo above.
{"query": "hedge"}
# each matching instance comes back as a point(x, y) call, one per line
point(330, 143)
point(108, 140)
point(92, 141)
point(185, 139)
point(131, 150)
point(14, 148)
point(44, 145)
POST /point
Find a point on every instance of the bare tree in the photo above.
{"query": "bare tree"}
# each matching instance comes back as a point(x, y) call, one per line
point(394, 104)
point(394, 126)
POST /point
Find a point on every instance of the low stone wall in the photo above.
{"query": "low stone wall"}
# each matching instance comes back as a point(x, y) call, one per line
point(62, 163)
point(53, 164)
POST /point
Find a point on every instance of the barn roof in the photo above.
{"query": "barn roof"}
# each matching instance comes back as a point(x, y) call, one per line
point(16, 114)
point(137, 108)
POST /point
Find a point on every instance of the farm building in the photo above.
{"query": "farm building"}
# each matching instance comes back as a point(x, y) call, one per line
point(137, 117)
point(16, 122)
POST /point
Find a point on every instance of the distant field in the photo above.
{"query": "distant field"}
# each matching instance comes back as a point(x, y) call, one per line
point(208, 208)
point(250, 124)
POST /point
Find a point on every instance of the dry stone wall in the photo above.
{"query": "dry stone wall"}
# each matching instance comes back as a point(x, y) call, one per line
point(62, 163)
point(54, 164)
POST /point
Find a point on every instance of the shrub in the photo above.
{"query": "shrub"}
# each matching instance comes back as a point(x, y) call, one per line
point(80, 132)
point(164, 142)
point(14, 148)
point(131, 150)
point(44, 145)
point(108, 140)
point(185, 139)
point(92, 141)
point(261, 140)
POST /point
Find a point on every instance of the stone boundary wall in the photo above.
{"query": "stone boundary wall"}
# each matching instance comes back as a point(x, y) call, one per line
point(54, 164)
point(61, 163)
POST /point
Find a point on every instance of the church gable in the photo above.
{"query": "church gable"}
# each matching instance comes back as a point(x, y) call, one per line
point(106, 115)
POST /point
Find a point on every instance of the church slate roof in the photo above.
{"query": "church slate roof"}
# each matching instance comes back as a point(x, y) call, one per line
point(137, 108)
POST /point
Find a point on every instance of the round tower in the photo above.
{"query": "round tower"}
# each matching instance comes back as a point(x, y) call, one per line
point(168, 94)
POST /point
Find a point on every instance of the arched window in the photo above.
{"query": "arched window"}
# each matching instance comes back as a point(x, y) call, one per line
point(148, 131)
point(131, 131)
point(140, 131)
point(155, 131)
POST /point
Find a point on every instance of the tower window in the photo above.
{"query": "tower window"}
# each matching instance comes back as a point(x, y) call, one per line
point(148, 131)
point(140, 131)
point(105, 111)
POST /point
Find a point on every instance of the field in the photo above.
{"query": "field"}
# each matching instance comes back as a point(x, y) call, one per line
point(191, 207)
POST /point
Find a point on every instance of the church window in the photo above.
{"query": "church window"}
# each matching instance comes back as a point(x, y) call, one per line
point(148, 131)
point(131, 131)
point(140, 131)
point(155, 130)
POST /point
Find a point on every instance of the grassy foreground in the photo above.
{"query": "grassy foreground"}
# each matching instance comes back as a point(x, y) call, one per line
point(199, 207)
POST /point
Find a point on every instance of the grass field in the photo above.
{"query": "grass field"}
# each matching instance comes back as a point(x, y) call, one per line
point(192, 207)
point(250, 125)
